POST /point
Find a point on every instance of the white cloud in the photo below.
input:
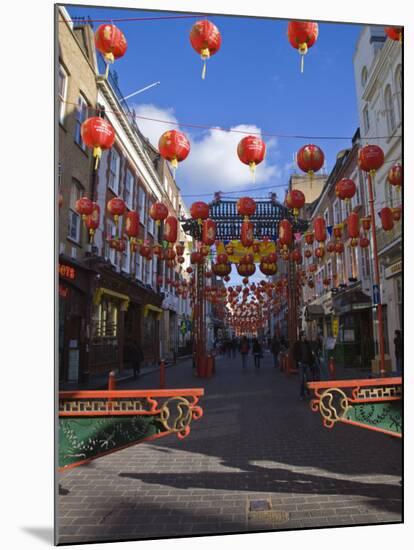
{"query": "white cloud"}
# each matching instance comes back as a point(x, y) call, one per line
point(213, 158)
point(151, 129)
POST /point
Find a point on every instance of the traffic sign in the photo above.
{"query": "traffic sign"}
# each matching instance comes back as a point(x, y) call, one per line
point(376, 295)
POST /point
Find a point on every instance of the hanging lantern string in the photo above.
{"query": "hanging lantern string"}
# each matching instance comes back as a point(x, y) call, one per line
point(232, 130)
point(127, 19)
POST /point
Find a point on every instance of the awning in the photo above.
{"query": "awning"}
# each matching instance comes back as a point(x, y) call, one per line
point(99, 292)
point(351, 300)
point(155, 309)
point(314, 311)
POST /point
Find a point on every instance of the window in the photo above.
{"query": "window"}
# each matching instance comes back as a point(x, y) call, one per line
point(390, 194)
point(326, 216)
point(138, 266)
point(364, 76)
point(389, 109)
point(129, 189)
point(398, 87)
point(105, 320)
point(114, 169)
point(337, 212)
point(365, 115)
point(126, 259)
point(74, 228)
point(62, 90)
point(81, 116)
point(151, 222)
point(141, 205)
point(147, 271)
point(110, 253)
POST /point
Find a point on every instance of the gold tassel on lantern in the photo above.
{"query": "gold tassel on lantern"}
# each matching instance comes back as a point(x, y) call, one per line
point(97, 153)
point(252, 166)
point(303, 50)
point(205, 54)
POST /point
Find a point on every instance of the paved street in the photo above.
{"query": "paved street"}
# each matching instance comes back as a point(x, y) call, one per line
point(256, 442)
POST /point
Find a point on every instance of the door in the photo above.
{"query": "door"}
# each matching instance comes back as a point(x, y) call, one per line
point(73, 346)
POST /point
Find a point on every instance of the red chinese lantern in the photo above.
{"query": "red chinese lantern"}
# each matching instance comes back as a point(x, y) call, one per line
point(179, 248)
point(208, 274)
point(326, 281)
point(337, 230)
point(170, 229)
point(116, 207)
point(174, 146)
point(180, 259)
point(221, 270)
point(246, 234)
point(268, 268)
point(121, 245)
point(363, 242)
point(285, 233)
point(205, 38)
point(92, 221)
point(170, 263)
point(330, 247)
point(302, 35)
point(246, 270)
point(319, 229)
point(320, 252)
point(132, 224)
point(366, 223)
point(256, 247)
point(345, 189)
point(295, 200)
point(370, 159)
point(204, 250)
point(339, 247)
point(310, 159)
point(189, 270)
point(251, 150)
point(308, 253)
point(209, 232)
point(170, 254)
point(199, 211)
point(246, 207)
point(313, 268)
point(296, 256)
point(145, 250)
point(111, 42)
point(311, 284)
point(196, 257)
point(227, 278)
point(97, 134)
point(394, 33)
point(396, 213)
point(395, 175)
point(387, 219)
point(84, 207)
point(309, 237)
point(222, 258)
point(272, 257)
point(353, 227)
point(158, 212)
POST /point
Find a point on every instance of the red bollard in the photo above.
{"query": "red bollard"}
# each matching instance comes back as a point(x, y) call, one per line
point(111, 381)
point(331, 368)
point(162, 373)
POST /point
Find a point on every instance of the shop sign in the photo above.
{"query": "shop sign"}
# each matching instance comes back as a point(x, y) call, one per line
point(63, 291)
point(67, 272)
point(393, 269)
point(335, 326)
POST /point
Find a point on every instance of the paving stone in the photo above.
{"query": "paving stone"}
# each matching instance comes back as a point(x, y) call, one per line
point(256, 440)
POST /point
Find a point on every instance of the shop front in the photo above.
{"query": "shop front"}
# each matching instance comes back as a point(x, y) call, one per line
point(354, 341)
point(74, 282)
point(170, 336)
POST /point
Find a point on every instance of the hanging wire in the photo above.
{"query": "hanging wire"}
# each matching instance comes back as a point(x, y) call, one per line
point(126, 19)
point(232, 130)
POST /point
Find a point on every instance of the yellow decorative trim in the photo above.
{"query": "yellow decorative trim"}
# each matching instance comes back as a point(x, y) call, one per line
point(102, 290)
point(150, 307)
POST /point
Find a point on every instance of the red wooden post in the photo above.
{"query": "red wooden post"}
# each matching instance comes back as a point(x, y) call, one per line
point(376, 275)
point(111, 381)
point(162, 373)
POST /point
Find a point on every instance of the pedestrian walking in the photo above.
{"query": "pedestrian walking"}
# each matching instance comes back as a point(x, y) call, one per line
point(257, 351)
point(275, 349)
point(134, 356)
point(244, 350)
point(398, 346)
point(302, 354)
point(233, 346)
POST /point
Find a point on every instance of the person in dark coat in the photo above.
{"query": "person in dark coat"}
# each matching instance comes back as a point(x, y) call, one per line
point(257, 352)
point(244, 350)
point(398, 347)
point(302, 353)
point(133, 354)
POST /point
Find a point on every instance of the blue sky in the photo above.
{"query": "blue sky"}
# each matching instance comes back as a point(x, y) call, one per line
point(253, 82)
